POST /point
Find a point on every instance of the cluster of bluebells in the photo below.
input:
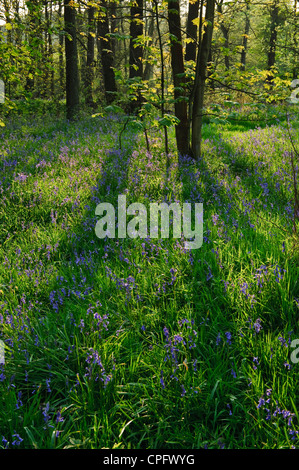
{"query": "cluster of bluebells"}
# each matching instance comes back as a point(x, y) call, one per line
point(272, 412)
point(77, 290)
point(255, 326)
point(127, 285)
point(185, 340)
point(93, 359)
point(226, 340)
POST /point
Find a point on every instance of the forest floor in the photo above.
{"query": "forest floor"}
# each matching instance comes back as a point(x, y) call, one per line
point(141, 343)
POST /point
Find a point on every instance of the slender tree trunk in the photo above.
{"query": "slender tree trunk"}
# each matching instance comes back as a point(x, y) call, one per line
point(178, 71)
point(191, 30)
point(126, 53)
point(81, 48)
point(31, 36)
point(295, 41)
point(8, 20)
point(162, 74)
point(49, 66)
point(114, 25)
point(136, 30)
point(60, 54)
point(200, 79)
point(71, 57)
point(245, 38)
point(89, 69)
point(104, 44)
point(51, 51)
point(17, 19)
point(136, 49)
point(148, 69)
point(225, 33)
point(274, 12)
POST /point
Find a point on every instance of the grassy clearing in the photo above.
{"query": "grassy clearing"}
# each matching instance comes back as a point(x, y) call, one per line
point(140, 343)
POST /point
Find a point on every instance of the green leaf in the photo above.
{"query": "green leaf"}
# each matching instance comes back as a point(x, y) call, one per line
point(168, 120)
point(137, 125)
point(113, 109)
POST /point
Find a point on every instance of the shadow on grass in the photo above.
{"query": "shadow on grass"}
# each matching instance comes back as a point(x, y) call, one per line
point(228, 215)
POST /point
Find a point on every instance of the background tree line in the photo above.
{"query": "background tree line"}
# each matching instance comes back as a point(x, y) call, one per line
point(177, 59)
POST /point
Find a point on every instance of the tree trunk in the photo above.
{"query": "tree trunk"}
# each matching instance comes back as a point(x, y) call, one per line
point(114, 26)
point(60, 54)
point(295, 42)
point(162, 76)
point(200, 78)
point(51, 50)
point(191, 31)
point(274, 12)
point(32, 36)
point(136, 49)
point(148, 69)
point(178, 71)
point(104, 44)
point(89, 69)
point(71, 58)
point(225, 32)
point(49, 65)
point(245, 38)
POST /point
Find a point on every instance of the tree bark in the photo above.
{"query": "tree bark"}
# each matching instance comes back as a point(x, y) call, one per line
point(71, 58)
point(225, 32)
point(179, 81)
point(191, 30)
point(245, 38)
point(148, 69)
point(32, 41)
point(162, 76)
point(295, 42)
point(60, 54)
point(105, 49)
point(49, 65)
point(89, 69)
point(274, 12)
point(136, 49)
point(136, 30)
point(200, 79)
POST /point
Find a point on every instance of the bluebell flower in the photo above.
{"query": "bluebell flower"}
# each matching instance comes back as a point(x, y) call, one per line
point(5, 442)
point(261, 403)
point(162, 380)
point(228, 337)
point(17, 440)
point(218, 339)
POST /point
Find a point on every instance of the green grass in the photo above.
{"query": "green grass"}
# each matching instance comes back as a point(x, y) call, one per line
point(138, 343)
